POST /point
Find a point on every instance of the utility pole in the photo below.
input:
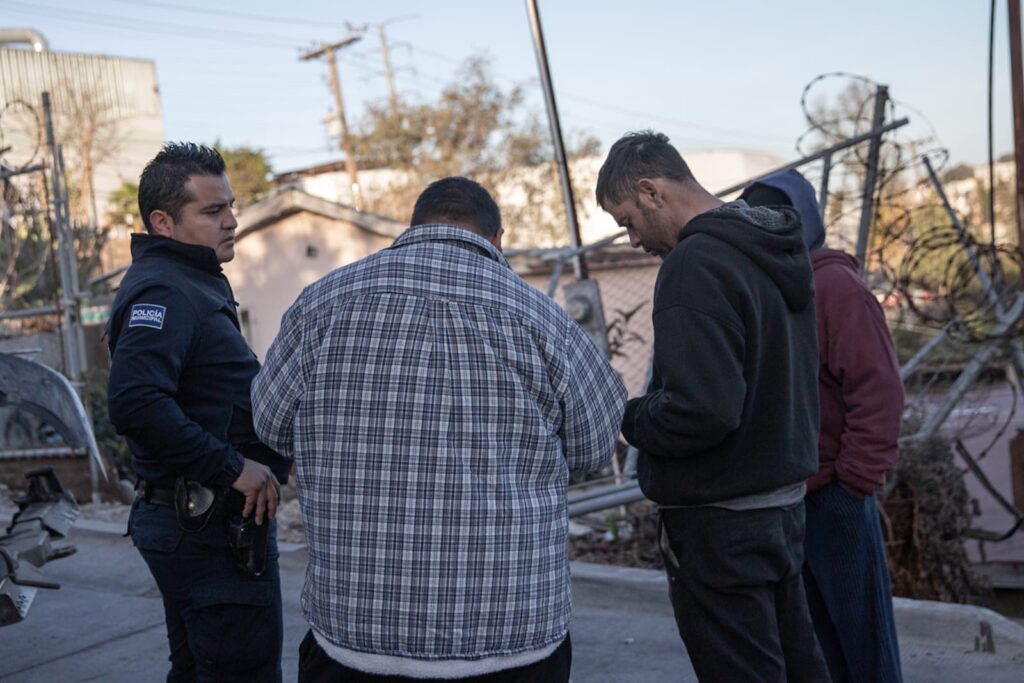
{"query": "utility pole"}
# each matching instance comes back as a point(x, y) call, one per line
point(385, 52)
point(1017, 93)
point(346, 138)
point(579, 261)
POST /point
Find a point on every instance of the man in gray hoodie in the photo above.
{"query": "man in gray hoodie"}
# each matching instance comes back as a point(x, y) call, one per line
point(728, 428)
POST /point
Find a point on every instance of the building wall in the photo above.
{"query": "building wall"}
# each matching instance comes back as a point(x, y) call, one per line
point(124, 90)
point(273, 265)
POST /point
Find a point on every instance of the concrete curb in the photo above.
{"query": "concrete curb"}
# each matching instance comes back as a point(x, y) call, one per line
point(926, 620)
point(942, 621)
point(588, 571)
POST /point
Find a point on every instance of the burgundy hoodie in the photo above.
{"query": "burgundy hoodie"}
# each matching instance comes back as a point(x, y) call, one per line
point(858, 380)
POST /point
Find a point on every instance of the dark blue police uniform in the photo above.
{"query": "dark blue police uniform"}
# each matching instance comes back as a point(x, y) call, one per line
point(179, 392)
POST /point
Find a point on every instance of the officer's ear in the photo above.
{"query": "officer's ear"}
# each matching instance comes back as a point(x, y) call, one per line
point(162, 223)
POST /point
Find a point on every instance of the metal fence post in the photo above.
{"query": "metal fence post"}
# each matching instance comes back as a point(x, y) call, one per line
point(867, 207)
point(74, 352)
point(826, 171)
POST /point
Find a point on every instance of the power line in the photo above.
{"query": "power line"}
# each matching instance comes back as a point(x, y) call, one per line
point(604, 105)
point(188, 32)
point(139, 24)
point(431, 53)
point(248, 16)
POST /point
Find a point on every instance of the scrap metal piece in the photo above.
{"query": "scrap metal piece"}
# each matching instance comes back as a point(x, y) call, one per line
point(42, 391)
point(45, 513)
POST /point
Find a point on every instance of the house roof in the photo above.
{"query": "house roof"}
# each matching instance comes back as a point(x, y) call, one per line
point(338, 166)
point(611, 256)
point(290, 200)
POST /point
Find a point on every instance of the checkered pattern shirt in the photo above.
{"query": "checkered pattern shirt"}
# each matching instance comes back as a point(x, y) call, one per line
point(434, 404)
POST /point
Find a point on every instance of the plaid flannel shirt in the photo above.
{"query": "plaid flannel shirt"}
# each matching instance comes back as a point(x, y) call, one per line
point(434, 404)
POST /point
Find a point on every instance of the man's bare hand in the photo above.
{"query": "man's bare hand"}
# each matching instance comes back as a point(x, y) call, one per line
point(260, 488)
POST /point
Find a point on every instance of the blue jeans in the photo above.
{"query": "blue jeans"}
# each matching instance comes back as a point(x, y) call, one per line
point(848, 587)
point(221, 625)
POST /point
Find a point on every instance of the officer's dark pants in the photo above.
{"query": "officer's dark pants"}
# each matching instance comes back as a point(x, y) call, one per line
point(221, 626)
point(316, 666)
point(848, 587)
point(737, 594)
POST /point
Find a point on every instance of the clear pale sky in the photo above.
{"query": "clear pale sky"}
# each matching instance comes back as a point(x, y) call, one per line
point(709, 74)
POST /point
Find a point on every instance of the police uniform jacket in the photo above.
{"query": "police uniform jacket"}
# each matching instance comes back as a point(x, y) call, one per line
point(180, 367)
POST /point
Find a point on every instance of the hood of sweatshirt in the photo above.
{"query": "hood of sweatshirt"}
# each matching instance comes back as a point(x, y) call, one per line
point(770, 237)
point(802, 197)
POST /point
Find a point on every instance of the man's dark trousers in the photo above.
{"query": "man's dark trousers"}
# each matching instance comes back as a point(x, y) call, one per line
point(737, 593)
point(848, 587)
point(221, 625)
point(316, 666)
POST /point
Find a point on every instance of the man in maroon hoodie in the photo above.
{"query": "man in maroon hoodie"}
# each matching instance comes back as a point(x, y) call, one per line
point(861, 395)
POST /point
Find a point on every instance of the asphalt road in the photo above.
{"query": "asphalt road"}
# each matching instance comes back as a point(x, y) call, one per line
point(106, 624)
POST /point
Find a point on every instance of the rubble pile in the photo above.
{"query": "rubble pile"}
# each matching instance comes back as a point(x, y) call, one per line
point(924, 520)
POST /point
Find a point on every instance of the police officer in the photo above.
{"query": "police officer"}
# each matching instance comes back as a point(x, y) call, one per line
point(179, 392)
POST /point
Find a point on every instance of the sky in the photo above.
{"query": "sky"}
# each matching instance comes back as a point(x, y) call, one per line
point(726, 74)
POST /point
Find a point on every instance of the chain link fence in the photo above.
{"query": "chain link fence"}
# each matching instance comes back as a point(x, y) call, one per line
point(625, 277)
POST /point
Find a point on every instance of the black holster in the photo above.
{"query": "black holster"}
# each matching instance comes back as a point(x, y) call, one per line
point(194, 504)
point(248, 543)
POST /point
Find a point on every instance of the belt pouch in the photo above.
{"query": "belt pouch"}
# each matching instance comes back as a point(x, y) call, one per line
point(194, 504)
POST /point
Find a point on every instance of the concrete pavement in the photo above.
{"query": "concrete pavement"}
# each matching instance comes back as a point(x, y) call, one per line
point(106, 624)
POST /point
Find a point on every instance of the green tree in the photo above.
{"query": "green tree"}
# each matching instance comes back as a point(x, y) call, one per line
point(477, 129)
point(249, 173)
point(123, 208)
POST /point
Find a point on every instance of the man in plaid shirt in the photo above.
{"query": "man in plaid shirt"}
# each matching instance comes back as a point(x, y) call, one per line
point(435, 404)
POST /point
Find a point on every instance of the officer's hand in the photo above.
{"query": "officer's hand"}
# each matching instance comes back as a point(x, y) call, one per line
point(260, 488)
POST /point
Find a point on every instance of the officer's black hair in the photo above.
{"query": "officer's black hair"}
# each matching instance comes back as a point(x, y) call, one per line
point(162, 183)
point(642, 154)
point(459, 201)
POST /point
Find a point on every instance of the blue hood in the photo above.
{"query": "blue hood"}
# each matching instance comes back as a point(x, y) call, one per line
point(803, 198)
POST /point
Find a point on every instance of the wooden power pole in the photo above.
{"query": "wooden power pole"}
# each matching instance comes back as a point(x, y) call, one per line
point(346, 138)
point(385, 52)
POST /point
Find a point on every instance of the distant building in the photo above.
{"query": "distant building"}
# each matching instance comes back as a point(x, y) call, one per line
point(715, 169)
point(122, 97)
point(307, 229)
point(966, 187)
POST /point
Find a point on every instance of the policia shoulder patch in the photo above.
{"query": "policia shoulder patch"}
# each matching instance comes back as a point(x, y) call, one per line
point(147, 315)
